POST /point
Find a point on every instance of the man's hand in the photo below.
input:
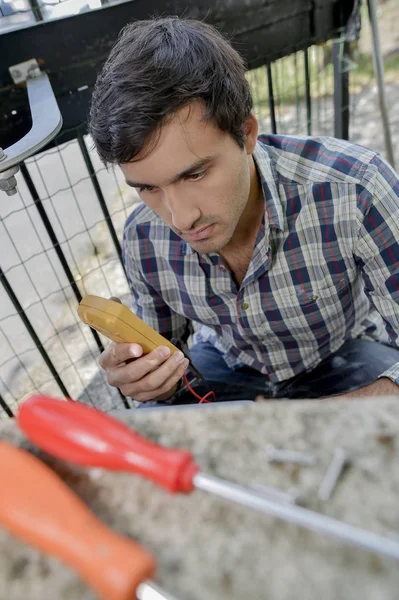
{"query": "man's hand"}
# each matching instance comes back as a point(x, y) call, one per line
point(381, 387)
point(145, 377)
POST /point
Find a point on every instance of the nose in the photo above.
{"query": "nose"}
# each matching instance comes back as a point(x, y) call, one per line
point(183, 212)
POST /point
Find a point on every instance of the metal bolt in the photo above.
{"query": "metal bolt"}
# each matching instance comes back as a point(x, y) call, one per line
point(9, 185)
point(277, 455)
point(34, 71)
point(15, 73)
point(338, 463)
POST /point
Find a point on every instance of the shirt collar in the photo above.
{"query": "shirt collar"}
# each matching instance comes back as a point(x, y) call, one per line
point(268, 178)
point(269, 181)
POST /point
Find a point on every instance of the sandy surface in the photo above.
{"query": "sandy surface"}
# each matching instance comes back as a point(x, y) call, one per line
point(208, 549)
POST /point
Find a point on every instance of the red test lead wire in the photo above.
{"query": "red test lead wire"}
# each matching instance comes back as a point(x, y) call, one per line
point(202, 399)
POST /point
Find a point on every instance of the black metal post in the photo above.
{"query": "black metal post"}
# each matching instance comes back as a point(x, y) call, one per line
point(308, 97)
point(100, 197)
point(271, 99)
point(5, 407)
point(32, 332)
point(37, 12)
point(54, 240)
point(378, 62)
point(107, 216)
point(341, 90)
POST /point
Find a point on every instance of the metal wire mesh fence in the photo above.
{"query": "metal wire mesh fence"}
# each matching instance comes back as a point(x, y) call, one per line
point(59, 239)
point(57, 184)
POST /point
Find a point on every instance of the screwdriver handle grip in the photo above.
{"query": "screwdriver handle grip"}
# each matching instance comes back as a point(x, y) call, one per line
point(38, 507)
point(86, 436)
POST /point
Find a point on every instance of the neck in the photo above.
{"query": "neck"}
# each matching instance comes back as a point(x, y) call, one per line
point(251, 218)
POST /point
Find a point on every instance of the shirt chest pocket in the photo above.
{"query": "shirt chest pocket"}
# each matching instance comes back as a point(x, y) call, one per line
point(307, 307)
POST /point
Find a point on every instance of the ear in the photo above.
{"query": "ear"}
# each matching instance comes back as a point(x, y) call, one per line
point(251, 129)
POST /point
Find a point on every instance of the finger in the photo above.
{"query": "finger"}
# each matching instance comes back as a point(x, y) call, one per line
point(176, 377)
point(157, 378)
point(168, 385)
point(139, 369)
point(118, 354)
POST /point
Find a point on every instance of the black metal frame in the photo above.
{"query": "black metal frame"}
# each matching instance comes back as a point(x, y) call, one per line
point(100, 197)
point(341, 51)
point(308, 98)
point(5, 407)
point(73, 49)
point(273, 122)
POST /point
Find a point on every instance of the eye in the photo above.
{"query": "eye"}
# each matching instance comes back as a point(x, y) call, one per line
point(195, 176)
point(147, 188)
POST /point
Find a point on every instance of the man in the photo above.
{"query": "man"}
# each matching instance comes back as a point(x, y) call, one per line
point(282, 251)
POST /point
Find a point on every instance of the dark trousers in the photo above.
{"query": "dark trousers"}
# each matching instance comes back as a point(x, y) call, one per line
point(356, 364)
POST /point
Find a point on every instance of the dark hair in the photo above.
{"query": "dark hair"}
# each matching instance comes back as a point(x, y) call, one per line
point(157, 67)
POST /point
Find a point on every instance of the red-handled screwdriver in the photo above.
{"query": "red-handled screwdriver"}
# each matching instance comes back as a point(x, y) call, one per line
point(77, 433)
point(39, 508)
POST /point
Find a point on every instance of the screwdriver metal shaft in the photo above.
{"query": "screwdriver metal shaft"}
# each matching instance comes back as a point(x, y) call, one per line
point(298, 515)
point(148, 590)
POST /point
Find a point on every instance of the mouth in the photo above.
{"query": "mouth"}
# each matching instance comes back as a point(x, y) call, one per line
point(201, 234)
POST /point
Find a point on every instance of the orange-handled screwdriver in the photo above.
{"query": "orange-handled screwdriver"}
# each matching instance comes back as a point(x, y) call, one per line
point(39, 508)
point(86, 436)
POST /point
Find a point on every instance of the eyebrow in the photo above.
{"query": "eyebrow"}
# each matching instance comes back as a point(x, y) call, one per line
point(200, 164)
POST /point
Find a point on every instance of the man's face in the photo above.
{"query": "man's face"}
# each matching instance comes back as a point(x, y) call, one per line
point(196, 178)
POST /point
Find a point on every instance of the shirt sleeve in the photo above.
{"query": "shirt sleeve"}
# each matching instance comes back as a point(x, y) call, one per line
point(377, 245)
point(392, 372)
point(148, 304)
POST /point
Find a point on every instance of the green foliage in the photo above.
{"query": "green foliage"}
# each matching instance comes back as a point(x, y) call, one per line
point(288, 75)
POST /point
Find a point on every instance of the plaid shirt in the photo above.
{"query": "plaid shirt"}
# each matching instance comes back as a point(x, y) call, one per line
point(325, 266)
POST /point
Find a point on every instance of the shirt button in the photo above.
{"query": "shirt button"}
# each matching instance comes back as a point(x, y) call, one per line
point(244, 306)
point(313, 298)
point(222, 268)
point(262, 340)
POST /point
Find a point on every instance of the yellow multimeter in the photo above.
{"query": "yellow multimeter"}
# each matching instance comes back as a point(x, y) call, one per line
point(120, 324)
